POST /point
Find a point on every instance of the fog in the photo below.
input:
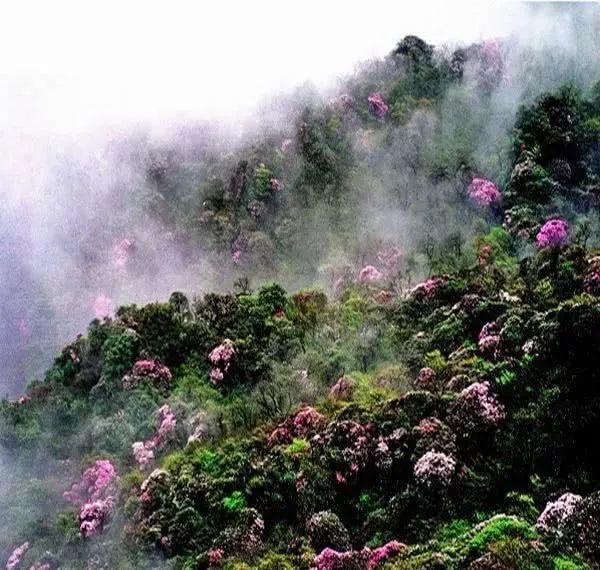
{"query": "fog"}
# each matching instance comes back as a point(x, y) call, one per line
point(87, 93)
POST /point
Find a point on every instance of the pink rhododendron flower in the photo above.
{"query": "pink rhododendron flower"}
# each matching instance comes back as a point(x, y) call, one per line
point(390, 257)
point(14, 560)
point(489, 339)
point(364, 559)
point(221, 358)
point(475, 409)
point(166, 426)
point(377, 105)
point(121, 254)
point(483, 192)
point(143, 453)
point(97, 482)
point(553, 233)
point(303, 424)
point(215, 557)
point(148, 371)
point(557, 514)
point(383, 553)
point(343, 389)
point(491, 64)
point(286, 145)
point(591, 280)
point(435, 469)
point(427, 289)
point(103, 306)
point(425, 379)
point(236, 256)
point(369, 274)
point(93, 516)
point(276, 186)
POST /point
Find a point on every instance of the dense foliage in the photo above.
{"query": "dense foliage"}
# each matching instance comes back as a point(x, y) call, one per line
point(437, 408)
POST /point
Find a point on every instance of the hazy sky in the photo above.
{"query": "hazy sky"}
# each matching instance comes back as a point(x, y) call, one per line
point(66, 64)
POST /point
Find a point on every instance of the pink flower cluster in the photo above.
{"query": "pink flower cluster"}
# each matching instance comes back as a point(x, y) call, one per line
point(557, 514)
point(94, 494)
point(369, 274)
point(97, 482)
point(425, 379)
point(489, 339)
point(435, 469)
point(343, 389)
point(148, 371)
point(554, 233)
point(591, 279)
point(483, 192)
point(215, 557)
point(434, 435)
point(94, 516)
point(103, 306)
point(377, 105)
point(475, 409)
point(14, 560)
point(390, 257)
point(121, 254)
point(491, 64)
point(143, 451)
point(427, 289)
point(287, 145)
point(365, 559)
point(221, 358)
point(302, 424)
point(276, 186)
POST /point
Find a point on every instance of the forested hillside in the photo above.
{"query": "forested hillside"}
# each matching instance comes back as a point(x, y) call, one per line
point(404, 372)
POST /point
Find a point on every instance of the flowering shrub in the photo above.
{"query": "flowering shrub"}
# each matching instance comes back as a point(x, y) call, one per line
point(434, 435)
point(364, 559)
point(591, 279)
point(121, 254)
point(369, 274)
point(483, 192)
point(377, 105)
point(476, 409)
point(435, 469)
point(489, 339)
point(148, 371)
point(245, 536)
point(425, 379)
point(165, 428)
point(143, 453)
point(94, 516)
point(94, 494)
point(558, 514)
point(427, 289)
point(276, 186)
point(553, 233)
point(287, 145)
point(347, 447)
point(491, 64)
point(221, 358)
point(103, 306)
point(343, 389)
point(14, 560)
point(302, 424)
point(389, 257)
point(97, 482)
point(325, 529)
